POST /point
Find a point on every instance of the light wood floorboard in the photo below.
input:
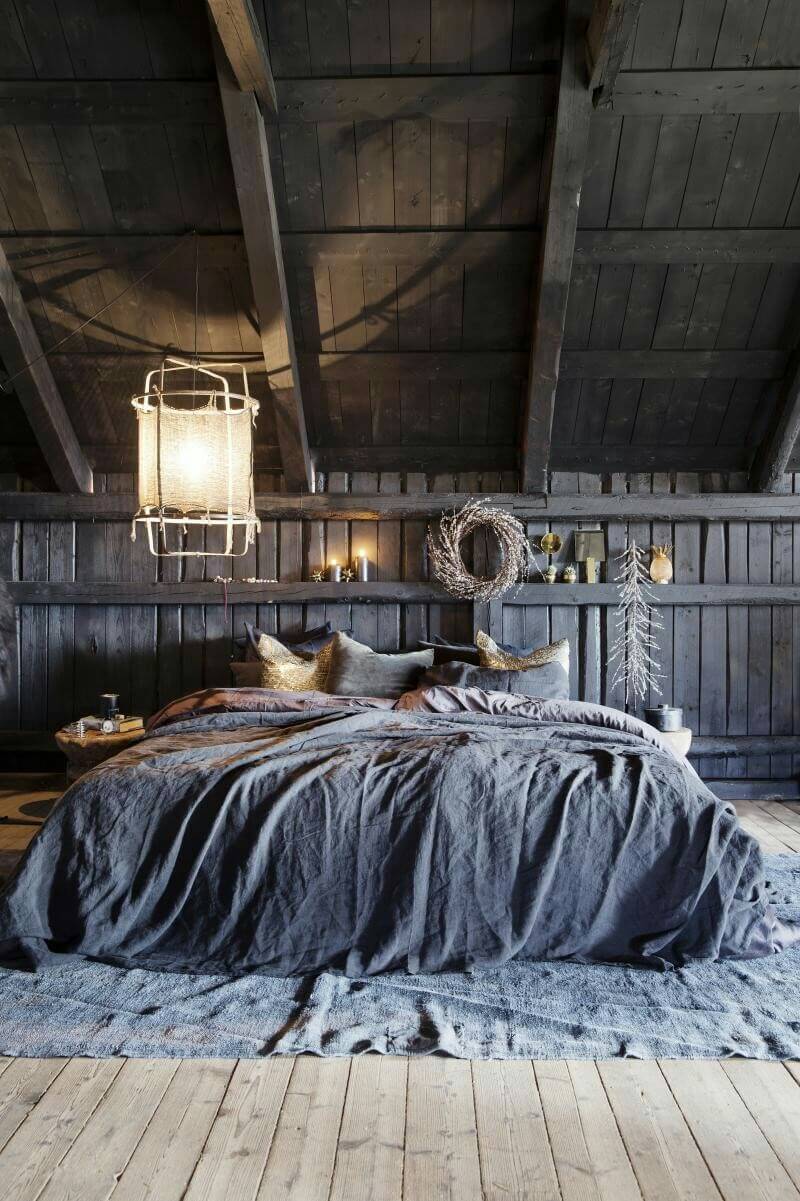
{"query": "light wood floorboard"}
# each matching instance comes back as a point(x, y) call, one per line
point(395, 1129)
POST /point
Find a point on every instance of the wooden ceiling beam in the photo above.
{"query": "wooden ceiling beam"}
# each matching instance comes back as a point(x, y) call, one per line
point(252, 173)
point(434, 247)
point(773, 458)
point(476, 364)
point(610, 27)
point(109, 102)
point(237, 27)
point(426, 458)
point(575, 364)
point(672, 93)
point(437, 97)
point(383, 98)
point(408, 506)
point(687, 246)
point(568, 160)
point(37, 390)
point(604, 459)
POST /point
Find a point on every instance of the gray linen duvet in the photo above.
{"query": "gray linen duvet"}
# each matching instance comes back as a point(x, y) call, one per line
point(459, 829)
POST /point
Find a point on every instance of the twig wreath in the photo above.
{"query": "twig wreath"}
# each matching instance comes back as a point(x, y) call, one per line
point(516, 556)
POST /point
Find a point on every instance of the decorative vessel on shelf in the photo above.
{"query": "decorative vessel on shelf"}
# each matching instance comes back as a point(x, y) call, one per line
point(660, 564)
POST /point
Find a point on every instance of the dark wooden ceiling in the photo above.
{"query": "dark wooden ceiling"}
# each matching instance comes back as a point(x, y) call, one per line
point(96, 186)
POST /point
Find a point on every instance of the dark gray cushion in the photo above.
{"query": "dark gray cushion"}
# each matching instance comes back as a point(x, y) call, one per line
point(307, 642)
point(466, 652)
point(450, 652)
point(358, 671)
point(549, 682)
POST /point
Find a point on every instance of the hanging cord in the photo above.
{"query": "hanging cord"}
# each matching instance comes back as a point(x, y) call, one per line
point(4, 384)
point(196, 309)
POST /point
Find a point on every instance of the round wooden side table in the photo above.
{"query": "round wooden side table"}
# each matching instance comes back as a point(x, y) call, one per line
point(679, 740)
point(85, 753)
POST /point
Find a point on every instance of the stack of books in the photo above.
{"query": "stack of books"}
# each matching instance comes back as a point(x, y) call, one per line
point(120, 724)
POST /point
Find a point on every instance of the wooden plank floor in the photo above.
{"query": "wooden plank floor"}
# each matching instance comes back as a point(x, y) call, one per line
point(395, 1129)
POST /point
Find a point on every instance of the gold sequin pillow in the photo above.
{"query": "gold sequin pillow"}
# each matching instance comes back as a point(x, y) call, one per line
point(491, 655)
point(289, 671)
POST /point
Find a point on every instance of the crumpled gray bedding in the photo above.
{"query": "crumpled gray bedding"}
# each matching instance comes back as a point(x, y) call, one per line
point(368, 841)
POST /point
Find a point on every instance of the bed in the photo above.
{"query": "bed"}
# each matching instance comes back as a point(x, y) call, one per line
point(453, 829)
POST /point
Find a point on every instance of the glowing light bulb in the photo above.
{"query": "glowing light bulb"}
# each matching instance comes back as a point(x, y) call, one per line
point(192, 459)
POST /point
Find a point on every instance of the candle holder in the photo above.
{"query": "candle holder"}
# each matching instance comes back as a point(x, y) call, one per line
point(362, 567)
point(335, 572)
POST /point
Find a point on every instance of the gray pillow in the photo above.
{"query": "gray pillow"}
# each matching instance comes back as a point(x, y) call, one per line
point(550, 682)
point(358, 671)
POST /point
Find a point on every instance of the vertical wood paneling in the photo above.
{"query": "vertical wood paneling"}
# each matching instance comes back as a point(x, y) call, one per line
point(784, 669)
point(759, 662)
point(565, 620)
point(33, 629)
point(9, 664)
point(415, 617)
point(662, 535)
point(60, 628)
point(686, 648)
point(364, 537)
point(616, 537)
point(713, 634)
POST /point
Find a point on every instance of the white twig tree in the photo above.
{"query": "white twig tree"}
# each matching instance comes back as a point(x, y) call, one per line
point(635, 648)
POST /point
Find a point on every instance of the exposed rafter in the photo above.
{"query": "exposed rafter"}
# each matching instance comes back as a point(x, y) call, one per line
point(774, 454)
point(237, 26)
point(37, 390)
point(410, 506)
point(611, 24)
point(247, 141)
point(437, 247)
point(440, 97)
point(570, 140)
point(652, 93)
point(574, 364)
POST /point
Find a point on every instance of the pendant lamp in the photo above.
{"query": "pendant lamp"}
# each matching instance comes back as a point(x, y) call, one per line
point(195, 456)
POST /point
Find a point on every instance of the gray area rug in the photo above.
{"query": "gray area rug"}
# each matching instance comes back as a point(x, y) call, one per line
point(520, 1011)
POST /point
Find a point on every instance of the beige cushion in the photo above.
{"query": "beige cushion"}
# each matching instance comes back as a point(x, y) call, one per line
point(288, 671)
point(491, 655)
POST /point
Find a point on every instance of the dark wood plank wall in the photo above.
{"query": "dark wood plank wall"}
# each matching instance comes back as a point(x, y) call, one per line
point(735, 669)
point(699, 172)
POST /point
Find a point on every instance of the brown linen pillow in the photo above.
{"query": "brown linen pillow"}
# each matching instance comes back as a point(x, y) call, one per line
point(492, 655)
point(286, 671)
point(246, 674)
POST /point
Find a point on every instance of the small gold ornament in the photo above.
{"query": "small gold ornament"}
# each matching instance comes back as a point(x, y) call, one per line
point(660, 564)
point(550, 543)
point(318, 576)
point(569, 575)
point(347, 575)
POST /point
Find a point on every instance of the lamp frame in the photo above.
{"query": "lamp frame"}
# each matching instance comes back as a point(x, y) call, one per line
point(158, 518)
